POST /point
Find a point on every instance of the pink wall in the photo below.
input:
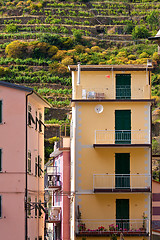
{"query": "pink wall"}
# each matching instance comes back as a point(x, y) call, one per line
point(12, 177)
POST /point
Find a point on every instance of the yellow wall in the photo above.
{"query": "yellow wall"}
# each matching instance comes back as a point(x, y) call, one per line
point(97, 79)
point(91, 121)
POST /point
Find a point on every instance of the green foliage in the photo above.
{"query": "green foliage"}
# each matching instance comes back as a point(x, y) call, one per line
point(16, 49)
point(77, 34)
point(53, 139)
point(128, 28)
point(11, 28)
point(140, 32)
point(153, 19)
point(4, 71)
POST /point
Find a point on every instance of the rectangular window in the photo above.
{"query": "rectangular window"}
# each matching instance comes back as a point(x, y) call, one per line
point(0, 206)
point(40, 210)
point(29, 162)
point(122, 213)
point(39, 166)
point(36, 167)
point(29, 206)
point(40, 122)
point(40, 238)
point(35, 207)
point(0, 111)
point(29, 115)
point(123, 86)
point(0, 160)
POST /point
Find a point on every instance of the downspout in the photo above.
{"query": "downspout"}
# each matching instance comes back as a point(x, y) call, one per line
point(26, 187)
point(79, 69)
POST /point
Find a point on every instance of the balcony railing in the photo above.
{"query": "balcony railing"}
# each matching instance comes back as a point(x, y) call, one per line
point(122, 137)
point(111, 92)
point(115, 182)
point(53, 177)
point(107, 227)
point(53, 214)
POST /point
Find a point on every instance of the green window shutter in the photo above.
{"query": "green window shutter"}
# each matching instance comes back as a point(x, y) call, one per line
point(123, 86)
point(0, 160)
point(122, 166)
point(0, 111)
point(0, 206)
point(122, 213)
point(123, 126)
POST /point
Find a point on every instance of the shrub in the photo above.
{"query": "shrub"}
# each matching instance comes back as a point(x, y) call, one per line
point(95, 49)
point(144, 55)
point(140, 32)
point(77, 34)
point(128, 28)
point(11, 28)
point(132, 57)
point(67, 61)
point(4, 71)
point(79, 48)
point(16, 49)
point(59, 55)
point(52, 50)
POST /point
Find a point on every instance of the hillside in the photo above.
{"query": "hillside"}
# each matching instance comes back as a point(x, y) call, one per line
point(38, 39)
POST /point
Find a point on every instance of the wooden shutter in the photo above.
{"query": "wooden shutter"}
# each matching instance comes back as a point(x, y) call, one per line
point(123, 86)
point(0, 111)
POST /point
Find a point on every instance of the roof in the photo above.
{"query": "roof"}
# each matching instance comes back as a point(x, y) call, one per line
point(26, 89)
point(128, 67)
point(156, 37)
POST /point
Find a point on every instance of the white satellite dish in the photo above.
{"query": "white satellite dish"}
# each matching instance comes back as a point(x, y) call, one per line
point(99, 108)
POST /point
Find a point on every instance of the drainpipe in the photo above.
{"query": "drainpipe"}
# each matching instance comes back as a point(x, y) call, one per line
point(79, 69)
point(26, 187)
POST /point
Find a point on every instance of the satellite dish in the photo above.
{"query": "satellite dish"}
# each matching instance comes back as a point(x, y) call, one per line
point(99, 108)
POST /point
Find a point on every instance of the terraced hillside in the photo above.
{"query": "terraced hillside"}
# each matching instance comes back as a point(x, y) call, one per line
point(38, 39)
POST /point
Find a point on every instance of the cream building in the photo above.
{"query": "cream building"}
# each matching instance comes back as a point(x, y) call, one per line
point(111, 152)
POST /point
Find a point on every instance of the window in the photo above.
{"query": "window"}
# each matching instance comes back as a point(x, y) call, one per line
point(40, 122)
point(36, 121)
point(0, 160)
point(35, 207)
point(0, 111)
point(29, 162)
point(40, 238)
point(36, 167)
point(29, 206)
point(0, 206)
point(123, 86)
point(39, 166)
point(40, 210)
point(29, 115)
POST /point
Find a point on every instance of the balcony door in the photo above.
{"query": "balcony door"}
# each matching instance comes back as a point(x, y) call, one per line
point(122, 170)
point(122, 126)
point(122, 214)
point(123, 86)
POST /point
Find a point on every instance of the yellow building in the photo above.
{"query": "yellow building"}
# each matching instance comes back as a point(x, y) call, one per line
point(111, 152)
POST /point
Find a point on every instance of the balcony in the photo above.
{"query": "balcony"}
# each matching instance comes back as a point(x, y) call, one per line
point(112, 93)
point(120, 137)
point(121, 183)
point(53, 178)
point(53, 215)
point(107, 227)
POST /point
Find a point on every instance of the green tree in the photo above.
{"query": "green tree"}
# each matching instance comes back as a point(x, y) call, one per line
point(140, 32)
point(153, 19)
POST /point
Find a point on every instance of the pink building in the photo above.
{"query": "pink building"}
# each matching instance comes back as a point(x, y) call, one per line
point(155, 210)
point(21, 163)
point(58, 185)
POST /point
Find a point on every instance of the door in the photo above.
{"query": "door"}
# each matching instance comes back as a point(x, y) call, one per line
point(123, 86)
point(122, 126)
point(122, 170)
point(122, 214)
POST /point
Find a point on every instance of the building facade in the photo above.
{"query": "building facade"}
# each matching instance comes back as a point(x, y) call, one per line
point(111, 152)
point(21, 160)
point(57, 184)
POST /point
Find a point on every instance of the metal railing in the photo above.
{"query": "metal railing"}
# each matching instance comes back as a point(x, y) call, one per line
point(113, 92)
point(112, 225)
point(121, 181)
point(53, 214)
point(122, 136)
point(53, 178)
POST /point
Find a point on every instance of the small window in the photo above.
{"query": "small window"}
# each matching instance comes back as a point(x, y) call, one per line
point(36, 167)
point(0, 160)
point(36, 121)
point(40, 238)
point(29, 162)
point(29, 207)
point(29, 115)
point(0, 111)
point(40, 210)
point(0, 206)
point(39, 166)
point(40, 122)
point(35, 207)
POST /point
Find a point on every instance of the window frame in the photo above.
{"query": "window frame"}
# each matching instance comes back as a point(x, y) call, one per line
point(29, 110)
point(29, 162)
point(1, 108)
point(29, 207)
point(0, 160)
point(36, 167)
point(0, 206)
